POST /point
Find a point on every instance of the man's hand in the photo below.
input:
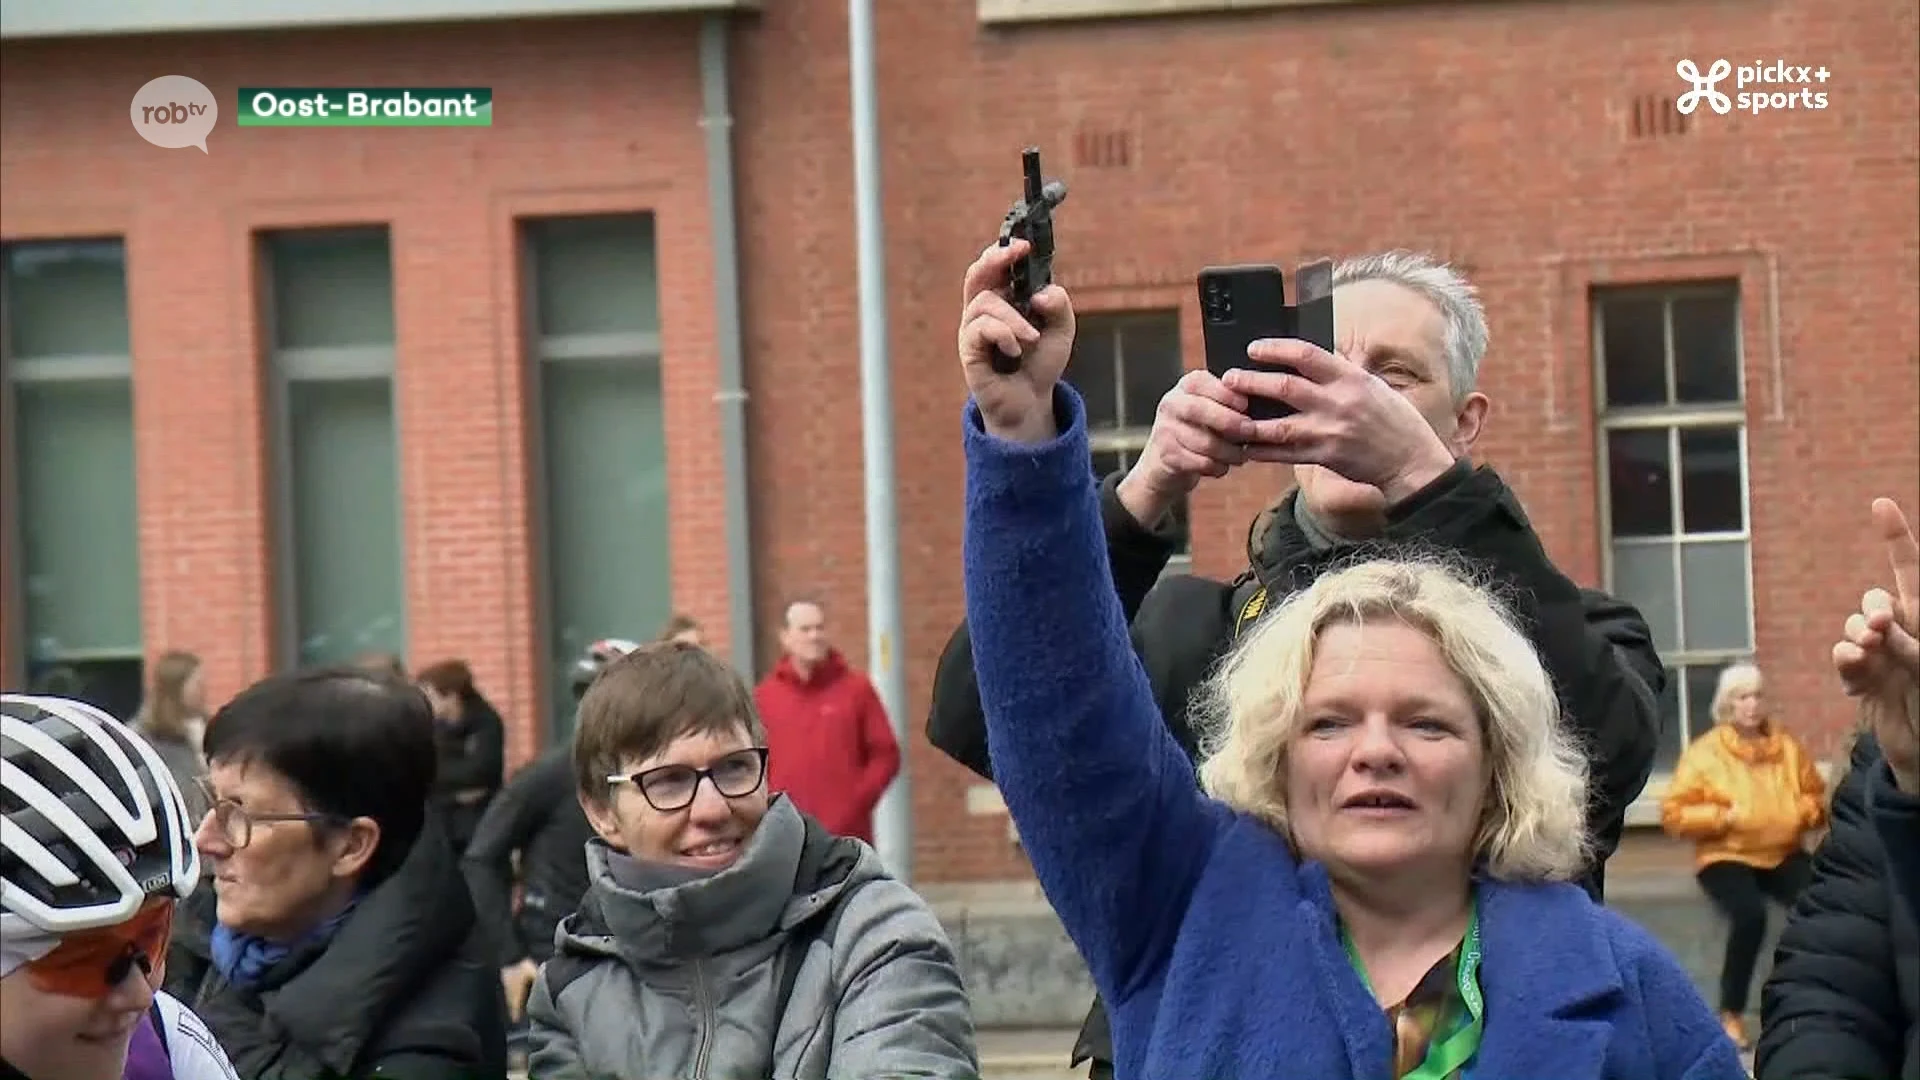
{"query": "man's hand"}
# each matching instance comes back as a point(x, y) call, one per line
point(517, 980)
point(1017, 406)
point(1349, 420)
point(1199, 430)
point(1878, 656)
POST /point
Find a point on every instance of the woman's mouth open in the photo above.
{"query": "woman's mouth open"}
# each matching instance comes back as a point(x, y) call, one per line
point(711, 854)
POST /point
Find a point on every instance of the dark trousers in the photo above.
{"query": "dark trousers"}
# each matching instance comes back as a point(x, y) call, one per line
point(1741, 892)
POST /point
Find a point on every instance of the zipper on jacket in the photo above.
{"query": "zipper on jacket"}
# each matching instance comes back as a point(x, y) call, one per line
point(707, 1020)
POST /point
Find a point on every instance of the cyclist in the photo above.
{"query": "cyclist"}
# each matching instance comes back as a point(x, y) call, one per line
point(95, 850)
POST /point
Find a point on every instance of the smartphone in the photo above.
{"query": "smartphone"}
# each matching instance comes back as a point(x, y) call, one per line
point(1240, 305)
point(1313, 303)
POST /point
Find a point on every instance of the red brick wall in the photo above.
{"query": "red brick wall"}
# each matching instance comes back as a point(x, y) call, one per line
point(1494, 133)
point(602, 119)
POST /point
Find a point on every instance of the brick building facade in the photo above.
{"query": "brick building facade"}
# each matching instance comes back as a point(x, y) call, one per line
point(1536, 144)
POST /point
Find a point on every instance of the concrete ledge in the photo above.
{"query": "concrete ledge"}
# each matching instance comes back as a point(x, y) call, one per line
point(1021, 971)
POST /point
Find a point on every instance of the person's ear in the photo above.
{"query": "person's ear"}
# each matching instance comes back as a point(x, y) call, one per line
point(353, 847)
point(1468, 422)
point(604, 819)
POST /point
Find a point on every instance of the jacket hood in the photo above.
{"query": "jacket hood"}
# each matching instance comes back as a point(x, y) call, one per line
point(829, 669)
point(399, 936)
point(791, 869)
point(1767, 746)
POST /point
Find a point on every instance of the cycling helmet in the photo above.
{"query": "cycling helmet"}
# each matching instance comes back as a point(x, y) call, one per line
point(91, 821)
point(595, 660)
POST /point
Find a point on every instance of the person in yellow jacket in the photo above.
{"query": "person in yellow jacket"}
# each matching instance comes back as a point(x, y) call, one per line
point(1746, 793)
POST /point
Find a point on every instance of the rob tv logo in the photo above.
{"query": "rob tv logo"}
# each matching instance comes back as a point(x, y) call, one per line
point(174, 112)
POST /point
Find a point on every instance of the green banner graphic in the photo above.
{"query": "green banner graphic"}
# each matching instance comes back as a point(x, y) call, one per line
point(366, 106)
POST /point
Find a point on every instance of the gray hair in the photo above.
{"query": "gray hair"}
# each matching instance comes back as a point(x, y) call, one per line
point(1464, 339)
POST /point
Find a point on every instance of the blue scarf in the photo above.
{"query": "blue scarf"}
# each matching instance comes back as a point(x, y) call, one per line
point(244, 959)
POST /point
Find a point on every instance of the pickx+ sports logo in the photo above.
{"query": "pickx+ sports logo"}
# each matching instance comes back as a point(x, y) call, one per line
point(1704, 87)
point(1762, 86)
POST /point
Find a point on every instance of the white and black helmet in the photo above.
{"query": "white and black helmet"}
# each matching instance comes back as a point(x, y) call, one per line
point(595, 660)
point(91, 821)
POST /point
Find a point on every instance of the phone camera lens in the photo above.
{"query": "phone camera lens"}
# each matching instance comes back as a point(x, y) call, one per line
point(1218, 303)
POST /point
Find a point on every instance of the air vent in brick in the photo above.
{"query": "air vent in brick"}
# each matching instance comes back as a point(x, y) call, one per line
point(1103, 149)
point(1653, 116)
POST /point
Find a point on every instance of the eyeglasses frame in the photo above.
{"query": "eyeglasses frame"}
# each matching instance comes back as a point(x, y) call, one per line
point(228, 807)
point(638, 779)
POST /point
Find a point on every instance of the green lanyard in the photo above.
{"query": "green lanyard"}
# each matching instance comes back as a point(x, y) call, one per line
point(1446, 1055)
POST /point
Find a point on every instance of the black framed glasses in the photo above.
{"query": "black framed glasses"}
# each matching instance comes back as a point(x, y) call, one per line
point(672, 787)
point(236, 823)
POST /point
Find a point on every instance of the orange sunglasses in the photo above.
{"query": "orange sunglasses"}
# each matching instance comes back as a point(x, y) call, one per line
point(91, 963)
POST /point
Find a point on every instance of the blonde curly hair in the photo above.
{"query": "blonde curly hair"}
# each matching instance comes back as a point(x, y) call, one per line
point(1533, 824)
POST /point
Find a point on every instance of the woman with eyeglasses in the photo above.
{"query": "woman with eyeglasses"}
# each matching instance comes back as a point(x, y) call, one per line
point(724, 933)
point(97, 850)
point(345, 945)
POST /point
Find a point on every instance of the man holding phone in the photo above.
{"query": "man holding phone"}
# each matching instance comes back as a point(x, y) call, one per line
point(1379, 444)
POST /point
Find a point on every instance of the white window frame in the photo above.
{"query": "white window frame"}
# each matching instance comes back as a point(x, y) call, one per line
point(1131, 441)
point(620, 348)
point(286, 366)
point(16, 372)
point(1673, 419)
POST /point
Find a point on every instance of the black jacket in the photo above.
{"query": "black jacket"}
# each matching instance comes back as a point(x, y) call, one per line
point(537, 816)
point(190, 949)
point(1843, 1001)
point(405, 988)
point(1598, 649)
point(472, 756)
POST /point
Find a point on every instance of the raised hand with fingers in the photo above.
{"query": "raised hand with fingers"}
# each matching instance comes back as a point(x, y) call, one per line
point(1349, 420)
point(1200, 429)
point(1017, 405)
point(1878, 656)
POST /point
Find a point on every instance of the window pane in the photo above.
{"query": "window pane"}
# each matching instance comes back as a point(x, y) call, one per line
point(332, 288)
point(114, 686)
point(1716, 594)
point(595, 275)
point(1092, 371)
point(608, 563)
point(1710, 496)
point(1108, 462)
point(1706, 353)
point(67, 299)
point(1633, 352)
point(1702, 680)
point(77, 523)
point(1150, 365)
point(1639, 482)
point(1643, 577)
point(349, 577)
point(1673, 726)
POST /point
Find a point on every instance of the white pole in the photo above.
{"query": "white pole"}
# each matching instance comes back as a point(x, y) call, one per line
point(893, 821)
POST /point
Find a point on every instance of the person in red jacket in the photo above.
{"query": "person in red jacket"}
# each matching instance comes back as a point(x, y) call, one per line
point(830, 747)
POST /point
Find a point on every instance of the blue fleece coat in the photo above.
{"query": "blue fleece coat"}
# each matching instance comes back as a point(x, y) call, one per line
point(1216, 951)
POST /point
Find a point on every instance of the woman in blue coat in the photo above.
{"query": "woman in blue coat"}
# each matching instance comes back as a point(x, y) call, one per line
point(1373, 884)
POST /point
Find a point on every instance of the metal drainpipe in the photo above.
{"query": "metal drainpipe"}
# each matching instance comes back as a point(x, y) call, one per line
point(716, 119)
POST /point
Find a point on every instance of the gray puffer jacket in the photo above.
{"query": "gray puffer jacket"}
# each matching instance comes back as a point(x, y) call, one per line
point(684, 981)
